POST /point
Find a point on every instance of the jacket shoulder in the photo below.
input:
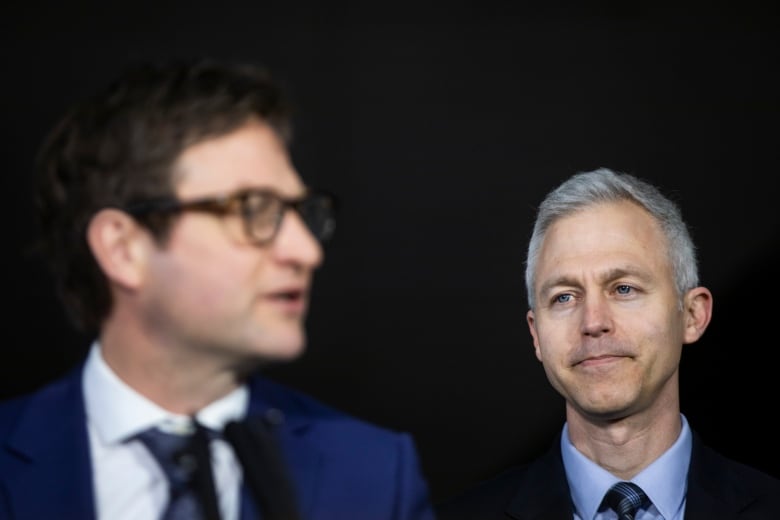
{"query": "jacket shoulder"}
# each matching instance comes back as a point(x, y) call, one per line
point(51, 395)
point(486, 499)
point(303, 410)
point(708, 461)
point(365, 470)
point(717, 483)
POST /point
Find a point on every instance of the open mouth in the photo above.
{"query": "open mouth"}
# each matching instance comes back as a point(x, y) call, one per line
point(291, 301)
point(289, 296)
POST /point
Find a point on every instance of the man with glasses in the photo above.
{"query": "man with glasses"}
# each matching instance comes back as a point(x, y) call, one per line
point(182, 238)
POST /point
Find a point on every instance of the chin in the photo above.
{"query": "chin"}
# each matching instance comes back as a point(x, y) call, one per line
point(273, 344)
point(287, 348)
point(290, 354)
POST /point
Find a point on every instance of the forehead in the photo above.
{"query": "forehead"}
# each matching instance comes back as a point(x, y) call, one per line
point(603, 237)
point(252, 156)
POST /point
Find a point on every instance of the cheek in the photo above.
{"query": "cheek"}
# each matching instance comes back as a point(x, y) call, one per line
point(661, 325)
point(201, 277)
point(552, 342)
point(658, 338)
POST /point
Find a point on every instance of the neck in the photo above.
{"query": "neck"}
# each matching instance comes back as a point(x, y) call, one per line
point(626, 446)
point(175, 376)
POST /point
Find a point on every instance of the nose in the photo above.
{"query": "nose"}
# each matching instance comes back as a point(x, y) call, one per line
point(295, 244)
point(596, 316)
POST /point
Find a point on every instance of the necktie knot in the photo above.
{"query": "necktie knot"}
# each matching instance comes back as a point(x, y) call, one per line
point(185, 460)
point(172, 452)
point(625, 498)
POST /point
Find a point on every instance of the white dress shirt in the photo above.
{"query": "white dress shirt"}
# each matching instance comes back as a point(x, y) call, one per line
point(128, 483)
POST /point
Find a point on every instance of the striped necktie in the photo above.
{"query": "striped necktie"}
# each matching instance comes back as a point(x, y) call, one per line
point(625, 498)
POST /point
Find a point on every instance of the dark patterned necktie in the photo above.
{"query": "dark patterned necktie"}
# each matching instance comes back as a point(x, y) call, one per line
point(625, 498)
point(185, 461)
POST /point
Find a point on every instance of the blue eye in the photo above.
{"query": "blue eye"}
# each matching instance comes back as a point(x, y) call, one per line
point(562, 298)
point(623, 289)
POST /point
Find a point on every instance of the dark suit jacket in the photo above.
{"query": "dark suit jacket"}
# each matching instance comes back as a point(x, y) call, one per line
point(341, 467)
point(718, 489)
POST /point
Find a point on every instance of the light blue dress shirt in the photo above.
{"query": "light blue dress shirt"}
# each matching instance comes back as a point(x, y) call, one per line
point(664, 481)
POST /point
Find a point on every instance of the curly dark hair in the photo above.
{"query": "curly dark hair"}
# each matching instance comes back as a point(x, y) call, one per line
point(119, 147)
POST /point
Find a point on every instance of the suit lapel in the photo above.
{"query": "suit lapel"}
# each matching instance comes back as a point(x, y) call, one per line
point(712, 493)
point(49, 474)
point(295, 433)
point(544, 493)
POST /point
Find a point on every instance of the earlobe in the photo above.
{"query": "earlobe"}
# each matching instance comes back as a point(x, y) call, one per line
point(117, 243)
point(530, 319)
point(698, 312)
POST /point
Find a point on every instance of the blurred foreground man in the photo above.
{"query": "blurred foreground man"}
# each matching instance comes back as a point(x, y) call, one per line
point(182, 238)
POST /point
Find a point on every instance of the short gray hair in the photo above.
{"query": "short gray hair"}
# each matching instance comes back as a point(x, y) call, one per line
point(586, 189)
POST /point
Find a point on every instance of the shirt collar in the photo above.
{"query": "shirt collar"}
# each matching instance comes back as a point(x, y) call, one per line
point(664, 481)
point(117, 411)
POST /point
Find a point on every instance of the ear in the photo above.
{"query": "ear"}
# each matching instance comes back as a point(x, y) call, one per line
point(698, 312)
point(530, 319)
point(119, 245)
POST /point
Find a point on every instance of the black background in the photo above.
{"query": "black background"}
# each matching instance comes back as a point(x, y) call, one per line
point(441, 128)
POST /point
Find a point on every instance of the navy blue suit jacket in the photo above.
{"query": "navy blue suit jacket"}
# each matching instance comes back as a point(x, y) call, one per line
point(718, 489)
point(341, 467)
